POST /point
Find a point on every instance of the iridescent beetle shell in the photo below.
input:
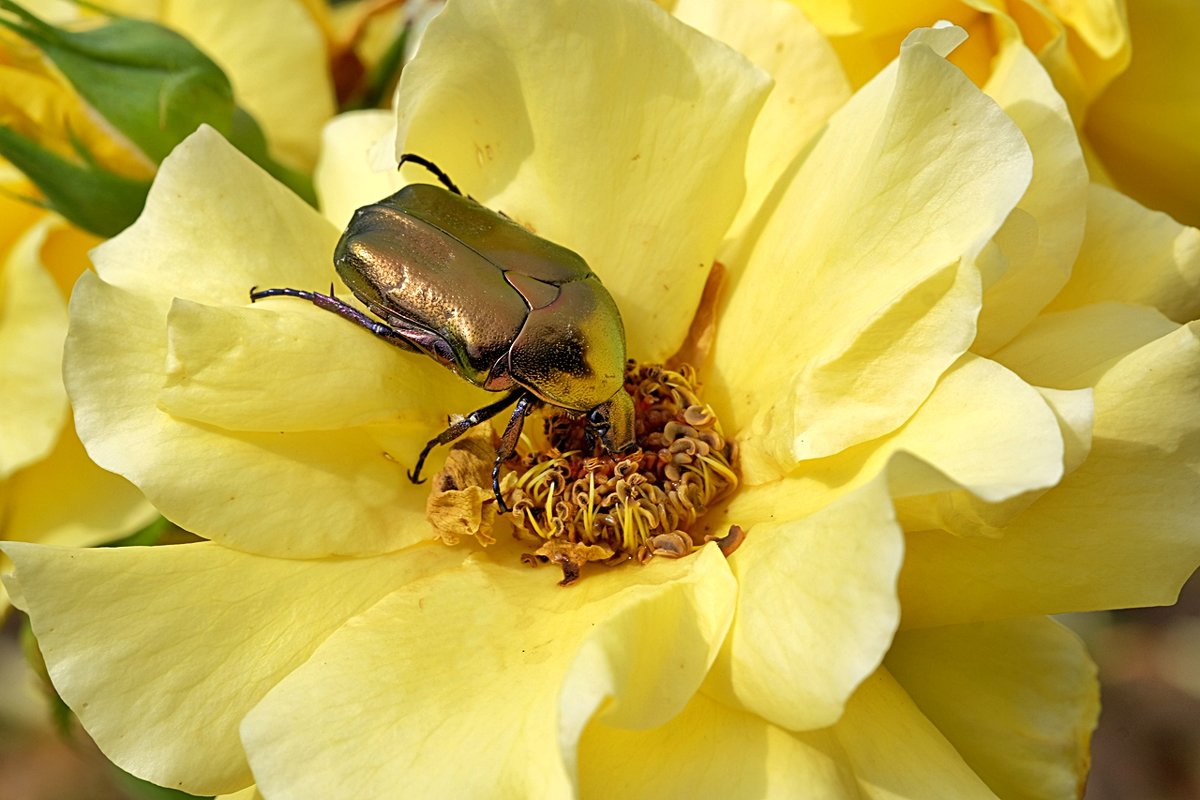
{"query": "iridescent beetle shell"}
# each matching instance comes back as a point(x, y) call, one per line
point(500, 306)
point(497, 304)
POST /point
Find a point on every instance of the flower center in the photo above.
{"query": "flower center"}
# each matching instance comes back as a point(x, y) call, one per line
point(580, 504)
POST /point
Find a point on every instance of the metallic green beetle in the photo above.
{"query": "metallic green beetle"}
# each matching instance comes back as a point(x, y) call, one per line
point(481, 295)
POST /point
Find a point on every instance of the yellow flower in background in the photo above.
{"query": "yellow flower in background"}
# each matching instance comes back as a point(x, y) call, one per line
point(1145, 127)
point(1129, 75)
point(50, 491)
point(947, 429)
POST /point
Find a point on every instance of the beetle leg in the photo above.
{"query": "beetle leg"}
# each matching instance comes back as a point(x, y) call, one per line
point(432, 167)
point(508, 444)
point(344, 310)
point(457, 429)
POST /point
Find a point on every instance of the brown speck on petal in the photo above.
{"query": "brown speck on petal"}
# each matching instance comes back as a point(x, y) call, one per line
point(461, 502)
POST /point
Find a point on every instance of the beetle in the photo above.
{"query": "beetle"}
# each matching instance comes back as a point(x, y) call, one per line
point(491, 301)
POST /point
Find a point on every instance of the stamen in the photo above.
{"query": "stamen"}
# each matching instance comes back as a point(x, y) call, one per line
point(580, 504)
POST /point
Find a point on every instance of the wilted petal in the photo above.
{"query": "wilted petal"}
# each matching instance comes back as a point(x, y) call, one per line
point(1089, 543)
point(649, 199)
point(817, 608)
point(914, 174)
point(629, 651)
point(1132, 254)
point(163, 699)
point(1041, 237)
point(1018, 699)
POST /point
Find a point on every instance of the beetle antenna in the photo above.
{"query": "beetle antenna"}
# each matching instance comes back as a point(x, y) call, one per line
point(432, 167)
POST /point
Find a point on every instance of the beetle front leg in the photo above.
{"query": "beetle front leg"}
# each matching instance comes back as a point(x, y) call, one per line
point(463, 425)
point(344, 310)
point(508, 444)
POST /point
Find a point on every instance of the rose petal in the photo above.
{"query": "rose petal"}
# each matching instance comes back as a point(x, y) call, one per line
point(895, 751)
point(1132, 254)
point(710, 750)
point(1123, 545)
point(1016, 446)
point(916, 172)
point(249, 793)
point(809, 83)
point(120, 632)
point(285, 366)
point(882, 750)
point(215, 225)
point(861, 382)
point(1014, 441)
point(817, 609)
point(1018, 699)
point(1073, 349)
point(644, 191)
point(629, 647)
point(1041, 237)
point(964, 513)
point(346, 178)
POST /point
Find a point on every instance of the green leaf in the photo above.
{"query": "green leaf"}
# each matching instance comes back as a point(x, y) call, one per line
point(151, 84)
point(91, 197)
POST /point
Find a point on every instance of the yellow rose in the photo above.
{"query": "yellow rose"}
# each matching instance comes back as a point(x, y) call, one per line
point(932, 461)
point(1128, 75)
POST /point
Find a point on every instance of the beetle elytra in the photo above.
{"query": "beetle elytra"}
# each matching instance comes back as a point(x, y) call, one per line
point(499, 306)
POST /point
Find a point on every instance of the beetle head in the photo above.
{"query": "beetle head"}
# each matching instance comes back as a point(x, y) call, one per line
point(612, 423)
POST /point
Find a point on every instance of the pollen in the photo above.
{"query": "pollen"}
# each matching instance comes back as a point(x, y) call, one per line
point(578, 504)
